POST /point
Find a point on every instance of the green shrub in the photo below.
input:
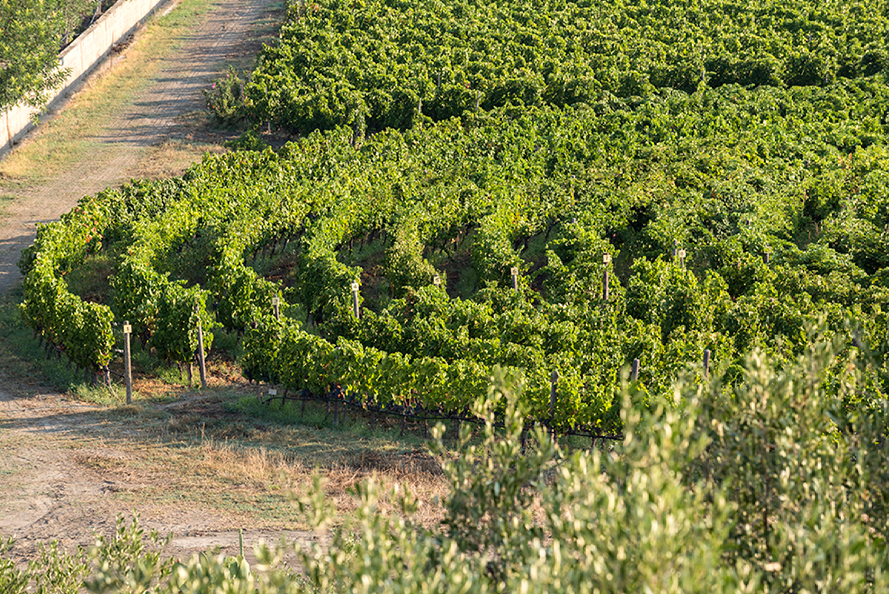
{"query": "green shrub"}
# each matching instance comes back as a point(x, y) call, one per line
point(226, 100)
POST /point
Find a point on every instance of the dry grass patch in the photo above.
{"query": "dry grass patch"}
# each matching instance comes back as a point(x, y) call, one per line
point(199, 452)
point(101, 462)
point(171, 158)
point(262, 471)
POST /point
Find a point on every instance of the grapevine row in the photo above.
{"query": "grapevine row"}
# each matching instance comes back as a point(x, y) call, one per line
point(379, 64)
point(548, 193)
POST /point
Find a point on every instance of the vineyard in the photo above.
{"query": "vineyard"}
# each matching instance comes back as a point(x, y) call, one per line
point(663, 224)
point(392, 63)
point(566, 190)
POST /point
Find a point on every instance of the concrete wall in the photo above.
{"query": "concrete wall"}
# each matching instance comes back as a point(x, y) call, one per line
point(81, 57)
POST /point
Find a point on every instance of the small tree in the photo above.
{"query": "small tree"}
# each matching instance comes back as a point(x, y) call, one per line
point(801, 454)
point(29, 51)
point(31, 34)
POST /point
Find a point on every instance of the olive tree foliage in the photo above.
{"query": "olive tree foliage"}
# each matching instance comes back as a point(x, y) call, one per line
point(802, 455)
point(619, 521)
point(777, 482)
point(31, 34)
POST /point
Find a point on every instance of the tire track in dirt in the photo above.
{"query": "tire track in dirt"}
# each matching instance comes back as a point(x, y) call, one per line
point(44, 482)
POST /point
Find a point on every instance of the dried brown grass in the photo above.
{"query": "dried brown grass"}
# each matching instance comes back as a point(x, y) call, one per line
point(262, 469)
point(171, 158)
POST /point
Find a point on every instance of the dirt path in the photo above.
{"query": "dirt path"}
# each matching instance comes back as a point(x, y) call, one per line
point(68, 473)
point(61, 476)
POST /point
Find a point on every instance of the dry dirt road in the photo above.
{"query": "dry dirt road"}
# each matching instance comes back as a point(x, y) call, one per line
point(68, 471)
point(58, 473)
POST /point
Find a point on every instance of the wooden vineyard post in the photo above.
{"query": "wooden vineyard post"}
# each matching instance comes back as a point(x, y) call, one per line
point(553, 394)
point(606, 260)
point(202, 364)
point(634, 374)
point(767, 258)
point(127, 360)
point(675, 248)
point(706, 363)
point(553, 389)
point(276, 303)
point(355, 309)
point(514, 271)
point(436, 280)
point(336, 404)
point(681, 254)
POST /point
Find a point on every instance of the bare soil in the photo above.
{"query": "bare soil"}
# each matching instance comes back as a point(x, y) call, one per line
point(70, 469)
point(67, 469)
